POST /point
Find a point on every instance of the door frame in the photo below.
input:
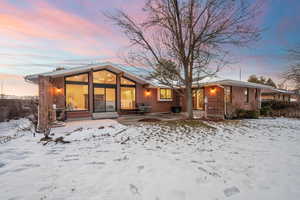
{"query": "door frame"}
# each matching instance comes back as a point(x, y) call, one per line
point(104, 86)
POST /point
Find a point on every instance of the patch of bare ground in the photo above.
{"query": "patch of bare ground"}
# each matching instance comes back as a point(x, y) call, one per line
point(185, 123)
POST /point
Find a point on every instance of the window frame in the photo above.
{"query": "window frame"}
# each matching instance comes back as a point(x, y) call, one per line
point(128, 86)
point(105, 84)
point(164, 99)
point(195, 91)
point(230, 93)
point(247, 95)
point(77, 83)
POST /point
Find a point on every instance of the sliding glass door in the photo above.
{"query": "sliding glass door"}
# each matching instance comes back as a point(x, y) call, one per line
point(104, 99)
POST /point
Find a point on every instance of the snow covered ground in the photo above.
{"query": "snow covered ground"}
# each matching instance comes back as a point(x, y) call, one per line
point(251, 159)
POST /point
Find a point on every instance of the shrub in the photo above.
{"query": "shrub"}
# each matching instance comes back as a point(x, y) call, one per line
point(279, 105)
point(247, 114)
point(252, 114)
point(266, 110)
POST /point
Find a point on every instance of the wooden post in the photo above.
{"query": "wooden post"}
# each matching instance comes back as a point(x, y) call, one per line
point(91, 92)
point(44, 101)
point(119, 92)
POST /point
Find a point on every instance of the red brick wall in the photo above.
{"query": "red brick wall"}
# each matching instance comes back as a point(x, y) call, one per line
point(152, 99)
point(58, 96)
point(215, 101)
point(239, 100)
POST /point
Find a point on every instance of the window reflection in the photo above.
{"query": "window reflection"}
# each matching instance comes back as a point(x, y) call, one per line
point(127, 97)
point(104, 77)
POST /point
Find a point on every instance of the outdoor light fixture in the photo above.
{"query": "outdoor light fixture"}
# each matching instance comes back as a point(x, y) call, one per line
point(58, 90)
point(213, 91)
point(147, 93)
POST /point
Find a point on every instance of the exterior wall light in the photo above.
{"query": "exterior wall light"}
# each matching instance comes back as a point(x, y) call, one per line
point(58, 90)
point(147, 93)
point(213, 91)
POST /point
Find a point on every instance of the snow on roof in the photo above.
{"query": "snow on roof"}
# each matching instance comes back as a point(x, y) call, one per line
point(277, 91)
point(216, 80)
point(140, 74)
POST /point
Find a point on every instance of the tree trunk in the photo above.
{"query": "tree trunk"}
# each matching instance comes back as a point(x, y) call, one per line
point(189, 101)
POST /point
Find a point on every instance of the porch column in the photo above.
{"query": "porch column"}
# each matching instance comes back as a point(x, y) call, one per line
point(118, 97)
point(45, 103)
point(91, 92)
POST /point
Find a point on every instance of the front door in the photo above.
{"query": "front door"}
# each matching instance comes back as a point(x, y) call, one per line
point(104, 99)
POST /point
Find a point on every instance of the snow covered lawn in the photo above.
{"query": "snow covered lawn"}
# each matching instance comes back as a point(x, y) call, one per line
point(251, 159)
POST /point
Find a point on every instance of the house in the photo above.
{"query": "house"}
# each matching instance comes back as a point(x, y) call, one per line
point(107, 90)
point(279, 95)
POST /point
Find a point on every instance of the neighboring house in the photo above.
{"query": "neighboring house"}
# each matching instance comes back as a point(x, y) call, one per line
point(107, 90)
point(280, 95)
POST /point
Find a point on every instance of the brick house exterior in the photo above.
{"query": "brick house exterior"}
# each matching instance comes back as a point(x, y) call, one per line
point(214, 98)
point(280, 95)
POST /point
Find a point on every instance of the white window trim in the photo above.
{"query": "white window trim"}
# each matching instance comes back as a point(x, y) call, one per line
point(158, 95)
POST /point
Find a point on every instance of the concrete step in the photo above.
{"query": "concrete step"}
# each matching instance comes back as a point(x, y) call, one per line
point(105, 115)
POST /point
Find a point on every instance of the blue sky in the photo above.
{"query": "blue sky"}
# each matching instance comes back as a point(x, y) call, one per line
point(39, 35)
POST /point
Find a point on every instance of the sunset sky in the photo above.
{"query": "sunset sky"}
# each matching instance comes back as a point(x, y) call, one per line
point(39, 35)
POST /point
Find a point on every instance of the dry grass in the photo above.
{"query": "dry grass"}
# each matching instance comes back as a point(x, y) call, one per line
point(183, 123)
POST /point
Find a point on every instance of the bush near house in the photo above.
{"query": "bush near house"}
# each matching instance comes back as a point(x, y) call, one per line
point(276, 105)
point(246, 114)
point(278, 109)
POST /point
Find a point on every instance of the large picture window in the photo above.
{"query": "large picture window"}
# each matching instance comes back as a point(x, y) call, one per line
point(127, 94)
point(125, 81)
point(198, 99)
point(81, 78)
point(77, 97)
point(104, 77)
point(127, 98)
point(165, 94)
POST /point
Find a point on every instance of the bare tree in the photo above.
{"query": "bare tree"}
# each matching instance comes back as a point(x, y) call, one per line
point(193, 34)
point(293, 73)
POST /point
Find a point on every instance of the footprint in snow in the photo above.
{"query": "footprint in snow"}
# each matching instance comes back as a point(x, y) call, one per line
point(18, 169)
point(72, 155)
point(134, 190)
point(44, 188)
point(67, 160)
point(96, 163)
point(140, 168)
point(231, 191)
point(31, 165)
point(102, 151)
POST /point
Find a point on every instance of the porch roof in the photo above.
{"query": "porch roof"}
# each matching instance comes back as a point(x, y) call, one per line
point(210, 81)
point(278, 91)
point(106, 65)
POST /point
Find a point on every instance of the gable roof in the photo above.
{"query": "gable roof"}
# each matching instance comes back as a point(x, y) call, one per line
point(127, 70)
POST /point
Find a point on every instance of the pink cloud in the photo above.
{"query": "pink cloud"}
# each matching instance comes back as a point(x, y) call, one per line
point(45, 22)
